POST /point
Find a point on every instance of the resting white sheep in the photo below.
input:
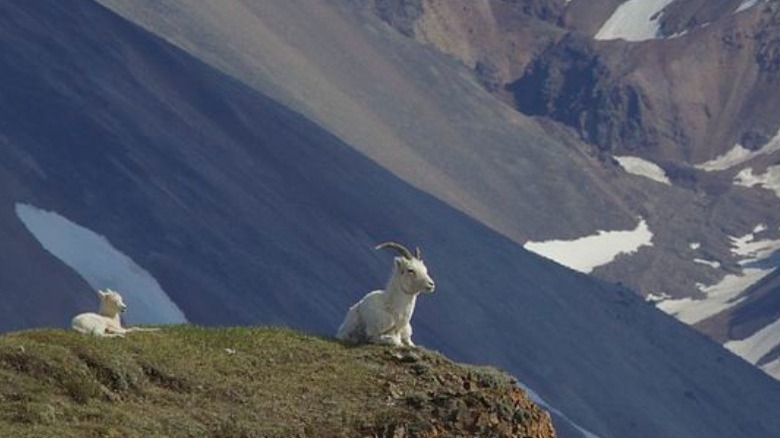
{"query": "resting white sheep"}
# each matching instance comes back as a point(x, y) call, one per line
point(383, 316)
point(105, 323)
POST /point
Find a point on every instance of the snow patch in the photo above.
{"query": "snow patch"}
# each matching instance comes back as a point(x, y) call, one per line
point(586, 253)
point(753, 250)
point(654, 298)
point(739, 155)
point(755, 347)
point(758, 345)
point(711, 263)
point(745, 5)
point(641, 167)
point(101, 265)
point(769, 180)
point(772, 368)
point(634, 20)
point(680, 34)
point(726, 293)
point(694, 245)
point(718, 297)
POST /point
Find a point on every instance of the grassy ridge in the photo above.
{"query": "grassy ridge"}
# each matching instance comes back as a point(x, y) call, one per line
point(246, 382)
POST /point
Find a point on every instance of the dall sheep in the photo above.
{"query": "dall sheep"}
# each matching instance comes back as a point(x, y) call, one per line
point(383, 316)
point(106, 323)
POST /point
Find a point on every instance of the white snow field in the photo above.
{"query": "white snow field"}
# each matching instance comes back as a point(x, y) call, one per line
point(718, 297)
point(642, 167)
point(589, 252)
point(634, 20)
point(772, 368)
point(737, 155)
point(726, 293)
point(101, 265)
point(769, 180)
point(755, 347)
point(754, 250)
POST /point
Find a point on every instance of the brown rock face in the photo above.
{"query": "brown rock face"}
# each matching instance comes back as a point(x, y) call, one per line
point(570, 82)
point(687, 97)
point(496, 38)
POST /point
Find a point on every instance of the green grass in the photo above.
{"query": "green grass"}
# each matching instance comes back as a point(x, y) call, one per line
point(188, 381)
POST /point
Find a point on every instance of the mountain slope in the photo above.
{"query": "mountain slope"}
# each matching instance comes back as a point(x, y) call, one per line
point(246, 212)
point(413, 111)
point(685, 88)
point(427, 120)
point(231, 382)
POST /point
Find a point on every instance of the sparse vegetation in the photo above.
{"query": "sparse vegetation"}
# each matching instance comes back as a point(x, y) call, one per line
point(188, 381)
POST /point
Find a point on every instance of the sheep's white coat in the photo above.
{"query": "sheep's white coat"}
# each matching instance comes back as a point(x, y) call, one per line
point(106, 323)
point(383, 316)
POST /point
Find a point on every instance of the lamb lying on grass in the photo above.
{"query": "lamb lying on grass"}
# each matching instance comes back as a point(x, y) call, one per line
point(106, 323)
point(383, 316)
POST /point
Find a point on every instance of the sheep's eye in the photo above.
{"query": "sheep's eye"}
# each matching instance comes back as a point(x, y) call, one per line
point(410, 271)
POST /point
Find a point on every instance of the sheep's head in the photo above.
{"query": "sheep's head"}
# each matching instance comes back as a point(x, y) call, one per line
point(411, 269)
point(111, 301)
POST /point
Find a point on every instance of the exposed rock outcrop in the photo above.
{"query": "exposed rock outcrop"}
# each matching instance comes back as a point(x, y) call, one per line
point(571, 83)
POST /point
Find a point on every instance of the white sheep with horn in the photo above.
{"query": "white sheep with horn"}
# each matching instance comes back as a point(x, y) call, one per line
point(106, 323)
point(383, 316)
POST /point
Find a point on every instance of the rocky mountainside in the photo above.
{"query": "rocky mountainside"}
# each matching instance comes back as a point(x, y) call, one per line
point(632, 87)
point(234, 163)
point(681, 91)
point(244, 382)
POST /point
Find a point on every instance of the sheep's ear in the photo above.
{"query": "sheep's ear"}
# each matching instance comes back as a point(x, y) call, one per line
point(102, 293)
point(418, 253)
point(399, 263)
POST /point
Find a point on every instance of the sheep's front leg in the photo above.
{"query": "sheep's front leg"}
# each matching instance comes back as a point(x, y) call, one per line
point(389, 339)
point(406, 336)
point(100, 329)
point(380, 327)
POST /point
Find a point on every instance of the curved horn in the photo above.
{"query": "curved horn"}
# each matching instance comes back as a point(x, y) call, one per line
point(398, 247)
